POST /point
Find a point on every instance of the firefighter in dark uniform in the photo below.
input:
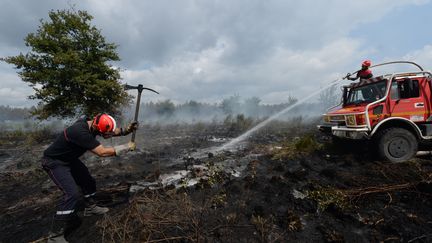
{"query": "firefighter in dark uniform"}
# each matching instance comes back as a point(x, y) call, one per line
point(364, 73)
point(61, 162)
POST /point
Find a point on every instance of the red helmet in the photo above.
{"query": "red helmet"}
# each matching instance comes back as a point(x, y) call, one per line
point(104, 123)
point(366, 63)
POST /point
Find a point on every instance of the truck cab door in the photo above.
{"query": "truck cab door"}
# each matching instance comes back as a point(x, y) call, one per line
point(408, 100)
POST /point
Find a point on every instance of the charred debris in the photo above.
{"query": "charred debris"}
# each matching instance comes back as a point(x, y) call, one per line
point(287, 184)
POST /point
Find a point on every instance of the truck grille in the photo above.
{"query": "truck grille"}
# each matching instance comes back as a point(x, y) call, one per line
point(337, 118)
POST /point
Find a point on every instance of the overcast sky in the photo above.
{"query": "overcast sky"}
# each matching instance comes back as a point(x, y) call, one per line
point(207, 50)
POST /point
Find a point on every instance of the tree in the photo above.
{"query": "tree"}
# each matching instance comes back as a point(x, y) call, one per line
point(68, 67)
point(231, 105)
point(252, 106)
point(329, 97)
point(165, 108)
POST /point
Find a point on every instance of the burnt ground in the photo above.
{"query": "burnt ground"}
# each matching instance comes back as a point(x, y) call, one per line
point(288, 184)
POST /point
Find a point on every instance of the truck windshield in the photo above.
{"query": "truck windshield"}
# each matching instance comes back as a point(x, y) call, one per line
point(366, 93)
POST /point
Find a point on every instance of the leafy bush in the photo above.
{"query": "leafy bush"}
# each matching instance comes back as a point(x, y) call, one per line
point(40, 135)
point(31, 137)
point(239, 123)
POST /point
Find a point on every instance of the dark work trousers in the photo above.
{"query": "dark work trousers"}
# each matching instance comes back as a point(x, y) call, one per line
point(70, 177)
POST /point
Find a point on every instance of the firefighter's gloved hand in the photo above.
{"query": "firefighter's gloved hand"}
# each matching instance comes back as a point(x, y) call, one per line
point(130, 128)
point(348, 75)
point(132, 146)
point(122, 149)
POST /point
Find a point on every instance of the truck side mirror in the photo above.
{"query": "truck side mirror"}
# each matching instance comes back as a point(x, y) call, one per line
point(345, 94)
point(378, 110)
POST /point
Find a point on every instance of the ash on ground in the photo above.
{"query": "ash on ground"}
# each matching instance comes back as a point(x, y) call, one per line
point(288, 183)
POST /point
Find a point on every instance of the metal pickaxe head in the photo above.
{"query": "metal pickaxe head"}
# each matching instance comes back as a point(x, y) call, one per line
point(140, 88)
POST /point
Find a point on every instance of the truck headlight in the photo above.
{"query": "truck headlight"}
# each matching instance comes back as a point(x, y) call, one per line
point(326, 119)
point(350, 120)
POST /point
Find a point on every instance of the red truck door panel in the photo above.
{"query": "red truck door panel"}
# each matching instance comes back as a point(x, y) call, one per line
point(410, 99)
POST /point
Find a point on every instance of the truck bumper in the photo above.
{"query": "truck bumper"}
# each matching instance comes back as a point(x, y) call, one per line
point(325, 129)
point(345, 132)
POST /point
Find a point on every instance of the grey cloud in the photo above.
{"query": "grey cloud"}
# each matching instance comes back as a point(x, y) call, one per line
point(12, 89)
point(22, 17)
point(152, 33)
point(246, 47)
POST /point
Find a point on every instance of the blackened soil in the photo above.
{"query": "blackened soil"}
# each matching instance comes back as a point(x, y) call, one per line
point(323, 194)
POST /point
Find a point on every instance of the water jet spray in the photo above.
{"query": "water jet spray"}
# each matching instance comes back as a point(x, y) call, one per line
point(245, 135)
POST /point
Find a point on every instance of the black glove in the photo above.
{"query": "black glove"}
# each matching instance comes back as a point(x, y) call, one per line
point(348, 75)
point(130, 128)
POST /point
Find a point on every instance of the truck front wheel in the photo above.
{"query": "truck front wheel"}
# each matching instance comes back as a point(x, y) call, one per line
point(397, 144)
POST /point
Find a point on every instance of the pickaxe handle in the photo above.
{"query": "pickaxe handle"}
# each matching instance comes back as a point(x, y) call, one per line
point(140, 88)
point(136, 113)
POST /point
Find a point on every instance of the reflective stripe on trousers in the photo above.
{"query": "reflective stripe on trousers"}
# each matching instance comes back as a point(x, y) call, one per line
point(69, 178)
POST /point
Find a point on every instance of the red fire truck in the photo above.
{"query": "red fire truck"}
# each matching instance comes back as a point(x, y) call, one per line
point(392, 110)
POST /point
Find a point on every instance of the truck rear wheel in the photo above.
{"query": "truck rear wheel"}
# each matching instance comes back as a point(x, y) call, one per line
point(397, 145)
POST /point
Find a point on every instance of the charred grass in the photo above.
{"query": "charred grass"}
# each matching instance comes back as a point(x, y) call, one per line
point(296, 187)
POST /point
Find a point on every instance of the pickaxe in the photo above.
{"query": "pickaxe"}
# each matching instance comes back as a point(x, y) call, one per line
point(140, 88)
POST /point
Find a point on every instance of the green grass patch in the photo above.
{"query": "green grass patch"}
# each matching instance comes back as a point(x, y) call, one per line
point(297, 147)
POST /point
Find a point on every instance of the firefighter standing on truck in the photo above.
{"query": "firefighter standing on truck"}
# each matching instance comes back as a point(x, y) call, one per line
point(364, 73)
point(61, 162)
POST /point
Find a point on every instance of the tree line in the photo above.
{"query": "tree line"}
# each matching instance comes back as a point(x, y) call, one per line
point(8, 113)
point(194, 111)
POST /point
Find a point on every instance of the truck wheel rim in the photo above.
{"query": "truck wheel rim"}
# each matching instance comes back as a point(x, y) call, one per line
point(398, 147)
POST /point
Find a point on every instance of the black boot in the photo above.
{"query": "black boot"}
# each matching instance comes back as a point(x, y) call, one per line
point(91, 208)
point(62, 228)
point(57, 233)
